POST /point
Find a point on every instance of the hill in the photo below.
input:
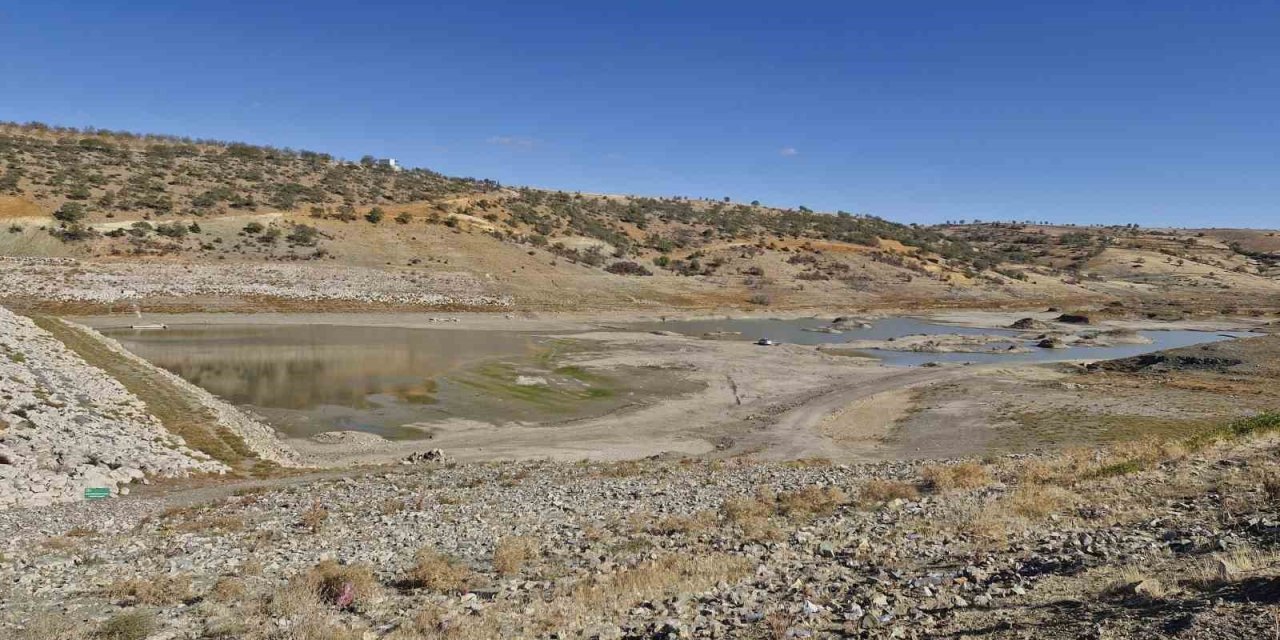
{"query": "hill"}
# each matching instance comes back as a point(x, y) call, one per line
point(122, 205)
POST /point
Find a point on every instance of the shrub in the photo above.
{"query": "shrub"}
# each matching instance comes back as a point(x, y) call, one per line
point(967, 475)
point(314, 518)
point(253, 227)
point(404, 218)
point(342, 585)
point(73, 233)
point(435, 572)
point(303, 235)
point(51, 626)
point(130, 625)
point(172, 230)
point(71, 213)
point(628, 268)
point(811, 502)
point(375, 215)
point(512, 553)
point(1035, 502)
point(886, 490)
point(154, 590)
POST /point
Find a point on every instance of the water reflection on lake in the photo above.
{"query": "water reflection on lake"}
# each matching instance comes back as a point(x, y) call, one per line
point(308, 379)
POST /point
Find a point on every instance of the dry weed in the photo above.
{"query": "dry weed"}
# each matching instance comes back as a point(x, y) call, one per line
point(1036, 501)
point(162, 589)
point(435, 572)
point(811, 502)
point(343, 585)
point(53, 626)
point(512, 553)
point(877, 491)
point(963, 476)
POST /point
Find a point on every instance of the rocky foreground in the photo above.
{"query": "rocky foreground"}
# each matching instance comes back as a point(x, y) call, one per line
point(1140, 540)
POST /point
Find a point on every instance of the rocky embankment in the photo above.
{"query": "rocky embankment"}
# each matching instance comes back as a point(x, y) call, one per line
point(1133, 540)
point(35, 279)
point(66, 426)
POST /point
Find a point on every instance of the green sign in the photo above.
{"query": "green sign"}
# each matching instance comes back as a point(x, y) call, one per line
point(96, 493)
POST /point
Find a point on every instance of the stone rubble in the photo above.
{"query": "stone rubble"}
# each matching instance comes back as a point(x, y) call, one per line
point(66, 426)
point(113, 282)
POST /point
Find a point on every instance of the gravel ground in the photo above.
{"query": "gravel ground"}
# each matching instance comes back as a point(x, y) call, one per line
point(669, 549)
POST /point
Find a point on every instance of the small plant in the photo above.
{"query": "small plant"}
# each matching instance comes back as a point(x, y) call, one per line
point(375, 215)
point(342, 585)
point(966, 475)
point(227, 589)
point(435, 572)
point(512, 553)
point(161, 589)
point(130, 625)
point(811, 502)
point(628, 268)
point(313, 519)
point(874, 491)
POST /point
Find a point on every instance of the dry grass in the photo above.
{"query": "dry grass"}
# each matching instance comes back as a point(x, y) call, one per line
point(1226, 568)
point(227, 589)
point(1036, 501)
point(512, 553)
point(1035, 471)
point(391, 506)
point(313, 519)
point(736, 510)
point(682, 524)
point(877, 491)
point(963, 476)
point(811, 502)
point(343, 585)
point(52, 626)
point(1269, 481)
point(129, 625)
point(321, 629)
point(161, 589)
point(609, 596)
point(1134, 583)
point(435, 572)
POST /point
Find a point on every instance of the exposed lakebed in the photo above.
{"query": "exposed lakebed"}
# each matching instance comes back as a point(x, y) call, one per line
point(406, 383)
point(984, 344)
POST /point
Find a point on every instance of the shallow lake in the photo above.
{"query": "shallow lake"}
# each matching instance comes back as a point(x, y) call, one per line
point(808, 331)
point(395, 382)
point(404, 383)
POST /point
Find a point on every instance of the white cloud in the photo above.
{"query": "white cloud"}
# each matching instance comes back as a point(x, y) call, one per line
point(788, 151)
point(517, 142)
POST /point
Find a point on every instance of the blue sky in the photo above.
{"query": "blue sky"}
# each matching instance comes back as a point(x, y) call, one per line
point(1160, 113)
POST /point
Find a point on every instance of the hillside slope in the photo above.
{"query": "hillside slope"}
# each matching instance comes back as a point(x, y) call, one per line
point(118, 206)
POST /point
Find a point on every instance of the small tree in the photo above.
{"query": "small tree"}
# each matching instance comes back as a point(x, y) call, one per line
point(71, 213)
point(375, 215)
point(253, 227)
